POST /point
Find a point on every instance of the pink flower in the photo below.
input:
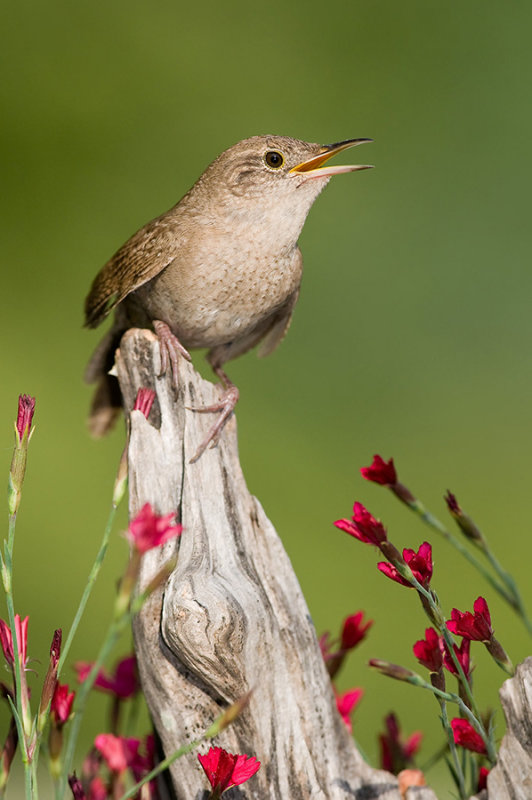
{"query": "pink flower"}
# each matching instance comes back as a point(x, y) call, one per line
point(224, 770)
point(428, 651)
point(149, 530)
point(397, 755)
point(62, 701)
point(123, 682)
point(462, 654)
point(363, 526)
point(420, 563)
point(118, 752)
point(26, 408)
point(98, 790)
point(144, 401)
point(477, 626)
point(6, 640)
point(354, 630)
point(346, 704)
point(380, 471)
point(466, 736)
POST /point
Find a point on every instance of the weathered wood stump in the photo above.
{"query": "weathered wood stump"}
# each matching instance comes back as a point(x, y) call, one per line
point(232, 616)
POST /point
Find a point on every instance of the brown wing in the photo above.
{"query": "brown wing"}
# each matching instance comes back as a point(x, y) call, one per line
point(139, 260)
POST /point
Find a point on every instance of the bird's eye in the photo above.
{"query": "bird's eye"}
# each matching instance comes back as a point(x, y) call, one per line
point(273, 159)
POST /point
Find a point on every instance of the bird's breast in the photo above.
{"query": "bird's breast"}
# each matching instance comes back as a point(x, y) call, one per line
point(214, 296)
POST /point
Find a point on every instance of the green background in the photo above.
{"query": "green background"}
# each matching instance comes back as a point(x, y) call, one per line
point(411, 336)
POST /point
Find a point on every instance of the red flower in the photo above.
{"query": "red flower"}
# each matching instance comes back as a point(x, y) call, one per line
point(354, 630)
point(380, 471)
point(224, 770)
point(123, 682)
point(462, 654)
point(466, 736)
point(420, 563)
point(428, 651)
point(482, 778)
point(149, 530)
point(346, 704)
point(477, 626)
point(363, 526)
point(62, 701)
point(397, 755)
point(118, 752)
point(26, 408)
point(144, 401)
point(6, 640)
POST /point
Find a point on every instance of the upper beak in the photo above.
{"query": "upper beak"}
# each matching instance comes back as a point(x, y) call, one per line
point(312, 168)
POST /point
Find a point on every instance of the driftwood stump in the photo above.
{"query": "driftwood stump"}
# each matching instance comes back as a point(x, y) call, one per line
point(232, 616)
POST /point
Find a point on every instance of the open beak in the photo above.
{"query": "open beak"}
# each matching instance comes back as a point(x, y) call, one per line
point(313, 167)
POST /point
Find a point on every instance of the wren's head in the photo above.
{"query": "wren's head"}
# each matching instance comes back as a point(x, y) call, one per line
point(269, 183)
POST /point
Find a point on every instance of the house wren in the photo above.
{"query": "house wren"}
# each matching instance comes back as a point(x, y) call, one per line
point(221, 269)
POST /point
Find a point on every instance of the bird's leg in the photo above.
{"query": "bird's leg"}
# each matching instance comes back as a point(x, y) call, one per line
point(226, 406)
point(170, 349)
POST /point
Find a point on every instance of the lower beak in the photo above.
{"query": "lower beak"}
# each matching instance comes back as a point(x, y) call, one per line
point(313, 167)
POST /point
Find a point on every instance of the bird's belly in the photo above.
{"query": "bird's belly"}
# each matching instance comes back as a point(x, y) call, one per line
point(209, 307)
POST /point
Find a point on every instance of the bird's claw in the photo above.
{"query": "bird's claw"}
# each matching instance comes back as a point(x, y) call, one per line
point(225, 406)
point(170, 350)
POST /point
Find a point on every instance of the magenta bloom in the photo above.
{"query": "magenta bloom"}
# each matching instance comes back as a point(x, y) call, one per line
point(476, 627)
point(118, 751)
point(381, 472)
point(420, 563)
point(26, 408)
point(466, 736)
point(62, 701)
point(428, 651)
point(462, 654)
point(354, 630)
point(149, 530)
point(397, 755)
point(144, 401)
point(363, 526)
point(346, 704)
point(224, 769)
point(6, 640)
point(123, 682)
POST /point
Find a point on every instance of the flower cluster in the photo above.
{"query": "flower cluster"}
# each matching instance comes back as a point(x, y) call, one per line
point(438, 652)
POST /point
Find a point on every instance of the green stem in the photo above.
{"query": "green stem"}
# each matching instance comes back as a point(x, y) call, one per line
point(438, 526)
point(518, 604)
point(115, 631)
point(452, 747)
point(20, 730)
point(212, 731)
point(450, 697)
point(88, 588)
point(20, 713)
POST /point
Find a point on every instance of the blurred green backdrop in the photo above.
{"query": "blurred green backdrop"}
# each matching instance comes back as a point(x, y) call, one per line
point(412, 334)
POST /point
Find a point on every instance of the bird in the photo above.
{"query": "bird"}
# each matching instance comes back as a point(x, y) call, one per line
point(220, 270)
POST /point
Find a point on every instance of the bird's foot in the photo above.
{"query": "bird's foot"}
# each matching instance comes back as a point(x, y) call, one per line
point(170, 349)
point(225, 407)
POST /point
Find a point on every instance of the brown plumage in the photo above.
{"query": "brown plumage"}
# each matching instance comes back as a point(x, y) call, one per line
point(221, 269)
